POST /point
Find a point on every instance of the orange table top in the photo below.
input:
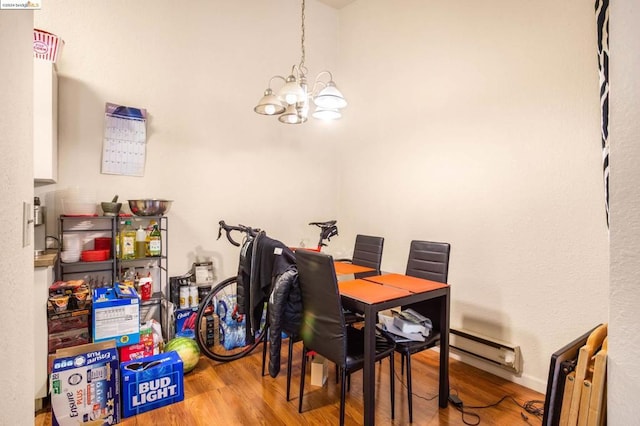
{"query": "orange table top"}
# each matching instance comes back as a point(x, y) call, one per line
point(344, 268)
point(370, 292)
point(412, 284)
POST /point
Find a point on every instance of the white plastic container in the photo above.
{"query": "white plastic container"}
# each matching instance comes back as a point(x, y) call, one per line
point(194, 299)
point(184, 297)
point(79, 202)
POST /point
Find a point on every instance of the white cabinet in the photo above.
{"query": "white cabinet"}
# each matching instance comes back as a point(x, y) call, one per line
point(43, 278)
point(45, 121)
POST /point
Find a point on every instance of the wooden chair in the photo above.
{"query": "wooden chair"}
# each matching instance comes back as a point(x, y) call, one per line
point(427, 260)
point(324, 329)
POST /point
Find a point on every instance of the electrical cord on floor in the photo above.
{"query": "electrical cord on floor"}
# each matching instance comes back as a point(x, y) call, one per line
point(534, 407)
point(455, 400)
point(404, 385)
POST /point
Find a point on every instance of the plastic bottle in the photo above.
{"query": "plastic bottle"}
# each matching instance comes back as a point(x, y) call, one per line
point(150, 226)
point(141, 242)
point(118, 244)
point(155, 241)
point(128, 241)
point(155, 275)
point(184, 297)
point(194, 300)
point(129, 277)
point(119, 241)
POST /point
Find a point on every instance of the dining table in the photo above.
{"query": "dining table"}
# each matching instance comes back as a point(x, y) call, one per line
point(381, 291)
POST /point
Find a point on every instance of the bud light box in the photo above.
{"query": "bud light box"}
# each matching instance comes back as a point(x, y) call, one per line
point(84, 385)
point(151, 382)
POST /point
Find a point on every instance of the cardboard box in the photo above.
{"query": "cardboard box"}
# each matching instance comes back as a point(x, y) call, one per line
point(139, 350)
point(319, 370)
point(68, 338)
point(186, 322)
point(68, 321)
point(84, 385)
point(116, 315)
point(152, 382)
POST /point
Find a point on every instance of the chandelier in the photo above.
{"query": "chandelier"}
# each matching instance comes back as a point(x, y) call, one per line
point(292, 102)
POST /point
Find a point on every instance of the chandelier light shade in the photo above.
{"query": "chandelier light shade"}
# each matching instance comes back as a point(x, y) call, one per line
point(293, 101)
point(269, 104)
point(291, 115)
point(291, 92)
point(330, 97)
point(326, 114)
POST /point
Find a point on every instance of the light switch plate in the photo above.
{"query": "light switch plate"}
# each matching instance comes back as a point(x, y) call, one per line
point(27, 223)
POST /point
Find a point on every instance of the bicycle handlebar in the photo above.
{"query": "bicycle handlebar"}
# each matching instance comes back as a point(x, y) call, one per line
point(240, 228)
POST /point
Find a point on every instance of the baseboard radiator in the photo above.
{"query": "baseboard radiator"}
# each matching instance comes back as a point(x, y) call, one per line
point(496, 352)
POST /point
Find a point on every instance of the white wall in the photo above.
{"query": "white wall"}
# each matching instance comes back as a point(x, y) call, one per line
point(198, 69)
point(16, 175)
point(624, 341)
point(477, 123)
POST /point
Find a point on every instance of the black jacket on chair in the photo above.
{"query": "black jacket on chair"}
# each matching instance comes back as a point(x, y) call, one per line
point(261, 262)
point(285, 315)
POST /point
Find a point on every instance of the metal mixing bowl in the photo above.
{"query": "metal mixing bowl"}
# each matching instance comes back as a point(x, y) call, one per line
point(149, 207)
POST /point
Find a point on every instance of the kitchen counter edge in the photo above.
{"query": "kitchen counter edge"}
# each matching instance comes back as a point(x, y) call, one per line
point(45, 260)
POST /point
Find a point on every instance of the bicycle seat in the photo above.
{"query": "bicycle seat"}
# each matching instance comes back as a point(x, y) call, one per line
point(326, 224)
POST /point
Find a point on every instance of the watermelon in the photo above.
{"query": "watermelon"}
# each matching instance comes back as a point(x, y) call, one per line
point(187, 349)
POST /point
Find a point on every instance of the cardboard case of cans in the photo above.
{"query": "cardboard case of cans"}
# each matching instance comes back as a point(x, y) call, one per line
point(151, 382)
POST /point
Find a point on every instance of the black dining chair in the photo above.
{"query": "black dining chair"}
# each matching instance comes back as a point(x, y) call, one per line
point(428, 260)
point(367, 251)
point(324, 330)
point(292, 338)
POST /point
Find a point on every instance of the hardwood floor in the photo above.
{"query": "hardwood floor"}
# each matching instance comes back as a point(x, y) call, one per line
point(234, 393)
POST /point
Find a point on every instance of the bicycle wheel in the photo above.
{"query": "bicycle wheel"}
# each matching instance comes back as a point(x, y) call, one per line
point(220, 331)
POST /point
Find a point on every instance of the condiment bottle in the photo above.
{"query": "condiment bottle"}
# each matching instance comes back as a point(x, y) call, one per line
point(155, 241)
point(118, 239)
point(128, 241)
point(141, 242)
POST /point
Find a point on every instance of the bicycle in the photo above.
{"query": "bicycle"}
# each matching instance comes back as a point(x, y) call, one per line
point(220, 330)
point(328, 229)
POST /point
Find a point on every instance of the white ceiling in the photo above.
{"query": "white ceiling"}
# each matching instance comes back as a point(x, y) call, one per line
point(338, 4)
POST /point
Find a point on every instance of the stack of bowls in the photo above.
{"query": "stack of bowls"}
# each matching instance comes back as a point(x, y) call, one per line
point(71, 248)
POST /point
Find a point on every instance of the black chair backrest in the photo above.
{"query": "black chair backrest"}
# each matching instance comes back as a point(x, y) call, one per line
point(323, 327)
point(429, 260)
point(368, 251)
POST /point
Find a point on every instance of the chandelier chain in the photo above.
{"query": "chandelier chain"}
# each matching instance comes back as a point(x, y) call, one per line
point(295, 98)
point(302, 67)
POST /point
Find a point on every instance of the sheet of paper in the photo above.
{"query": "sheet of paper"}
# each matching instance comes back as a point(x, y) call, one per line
point(125, 140)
